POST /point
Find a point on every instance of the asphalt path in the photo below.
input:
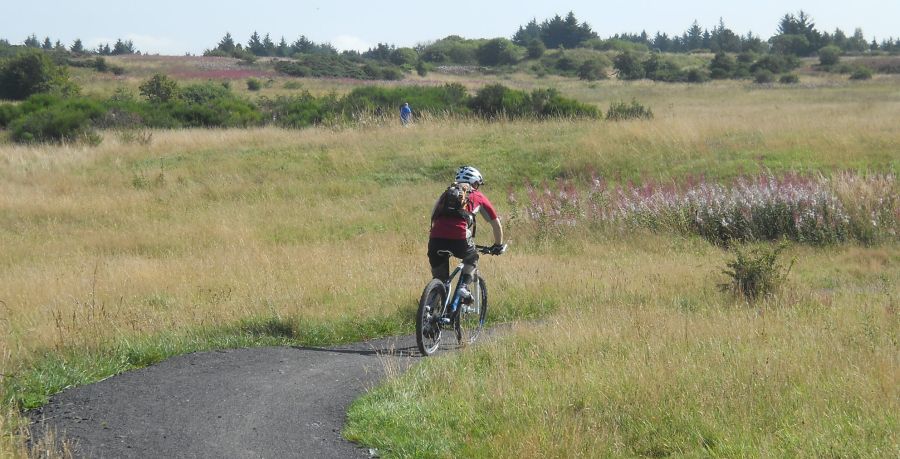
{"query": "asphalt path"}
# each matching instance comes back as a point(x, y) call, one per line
point(269, 402)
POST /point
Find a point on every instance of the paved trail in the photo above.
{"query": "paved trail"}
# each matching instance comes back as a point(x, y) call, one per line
point(245, 403)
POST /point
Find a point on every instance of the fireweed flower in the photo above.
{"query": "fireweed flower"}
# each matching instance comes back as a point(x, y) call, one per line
point(764, 207)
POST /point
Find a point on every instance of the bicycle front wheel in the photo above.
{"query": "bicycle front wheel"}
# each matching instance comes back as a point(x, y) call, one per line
point(431, 307)
point(471, 317)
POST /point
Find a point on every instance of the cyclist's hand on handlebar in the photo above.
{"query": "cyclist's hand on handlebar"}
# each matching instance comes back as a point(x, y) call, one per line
point(497, 249)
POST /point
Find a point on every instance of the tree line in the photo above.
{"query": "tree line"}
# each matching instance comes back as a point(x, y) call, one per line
point(120, 47)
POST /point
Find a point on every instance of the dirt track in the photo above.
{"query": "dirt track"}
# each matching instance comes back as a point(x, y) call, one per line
point(247, 403)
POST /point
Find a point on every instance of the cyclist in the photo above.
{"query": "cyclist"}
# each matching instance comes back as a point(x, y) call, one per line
point(455, 233)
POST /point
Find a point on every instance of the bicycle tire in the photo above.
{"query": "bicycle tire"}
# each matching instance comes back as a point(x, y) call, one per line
point(431, 306)
point(470, 321)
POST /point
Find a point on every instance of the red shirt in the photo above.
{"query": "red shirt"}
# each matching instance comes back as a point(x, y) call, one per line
point(446, 227)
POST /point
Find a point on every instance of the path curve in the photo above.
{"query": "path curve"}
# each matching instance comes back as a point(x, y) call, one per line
point(240, 403)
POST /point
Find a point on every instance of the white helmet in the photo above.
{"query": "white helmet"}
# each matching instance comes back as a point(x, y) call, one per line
point(470, 175)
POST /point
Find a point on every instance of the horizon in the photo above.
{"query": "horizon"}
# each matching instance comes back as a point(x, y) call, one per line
point(196, 28)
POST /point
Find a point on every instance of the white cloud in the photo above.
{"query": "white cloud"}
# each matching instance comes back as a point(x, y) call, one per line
point(348, 42)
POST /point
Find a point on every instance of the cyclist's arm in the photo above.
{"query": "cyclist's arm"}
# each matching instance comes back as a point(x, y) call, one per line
point(498, 231)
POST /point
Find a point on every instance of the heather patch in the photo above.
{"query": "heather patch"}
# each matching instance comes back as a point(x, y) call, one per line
point(223, 74)
point(808, 209)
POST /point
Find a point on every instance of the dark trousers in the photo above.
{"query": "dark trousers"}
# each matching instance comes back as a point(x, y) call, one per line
point(440, 250)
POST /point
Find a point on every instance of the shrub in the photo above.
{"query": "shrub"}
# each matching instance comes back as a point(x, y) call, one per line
point(498, 51)
point(722, 66)
point(293, 85)
point(755, 272)
point(829, 55)
point(451, 50)
point(661, 68)
point(300, 110)
point(57, 120)
point(775, 63)
point(861, 73)
point(629, 66)
point(789, 78)
point(253, 84)
point(696, 75)
point(159, 88)
point(763, 76)
point(100, 64)
point(8, 112)
point(31, 72)
point(593, 69)
point(619, 111)
point(212, 105)
point(421, 68)
point(404, 56)
point(535, 49)
point(499, 101)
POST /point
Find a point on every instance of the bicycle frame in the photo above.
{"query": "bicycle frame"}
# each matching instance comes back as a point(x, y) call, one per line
point(452, 299)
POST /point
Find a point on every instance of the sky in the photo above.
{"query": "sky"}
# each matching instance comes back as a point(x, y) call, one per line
point(171, 27)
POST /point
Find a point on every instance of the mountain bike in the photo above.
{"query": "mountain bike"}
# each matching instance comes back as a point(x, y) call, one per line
point(439, 311)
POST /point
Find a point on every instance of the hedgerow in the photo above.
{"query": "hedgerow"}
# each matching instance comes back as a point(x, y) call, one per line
point(53, 118)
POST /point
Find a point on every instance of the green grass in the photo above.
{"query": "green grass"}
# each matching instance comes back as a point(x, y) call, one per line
point(57, 369)
point(121, 255)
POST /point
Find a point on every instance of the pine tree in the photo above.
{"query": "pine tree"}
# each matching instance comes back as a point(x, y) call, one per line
point(32, 41)
point(226, 44)
point(255, 45)
point(77, 47)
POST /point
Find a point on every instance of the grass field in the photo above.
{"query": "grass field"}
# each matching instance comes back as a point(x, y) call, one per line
point(120, 255)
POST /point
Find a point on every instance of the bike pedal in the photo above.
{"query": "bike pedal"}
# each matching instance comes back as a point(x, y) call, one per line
point(444, 320)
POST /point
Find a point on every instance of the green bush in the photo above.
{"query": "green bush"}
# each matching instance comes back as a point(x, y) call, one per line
point(861, 73)
point(253, 84)
point(662, 68)
point(50, 119)
point(159, 88)
point(722, 66)
point(612, 44)
point(212, 105)
point(763, 76)
point(496, 100)
point(629, 66)
point(449, 98)
point(31, 72)
point(300, 110)
point(452, 50)
point(404, 56)
point(535, 49)
point(696, 75)
point(789, 78)
point(593, 69)
point(498, 51)
point(620, 111)
point(775, 63)
point(8, 112)
point(829, 55)
point(755, 272)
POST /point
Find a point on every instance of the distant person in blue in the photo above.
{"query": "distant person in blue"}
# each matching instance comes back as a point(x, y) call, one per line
point(405, 113)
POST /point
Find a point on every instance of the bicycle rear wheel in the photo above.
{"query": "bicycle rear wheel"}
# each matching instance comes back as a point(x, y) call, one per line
point(471, 317)
point(431, 307)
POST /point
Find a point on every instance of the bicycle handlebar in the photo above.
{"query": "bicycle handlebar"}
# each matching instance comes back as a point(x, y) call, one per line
point(489, 249)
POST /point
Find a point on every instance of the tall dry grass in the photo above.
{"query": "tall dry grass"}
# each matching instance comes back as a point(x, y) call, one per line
point(207, 227)
point(645, 359)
